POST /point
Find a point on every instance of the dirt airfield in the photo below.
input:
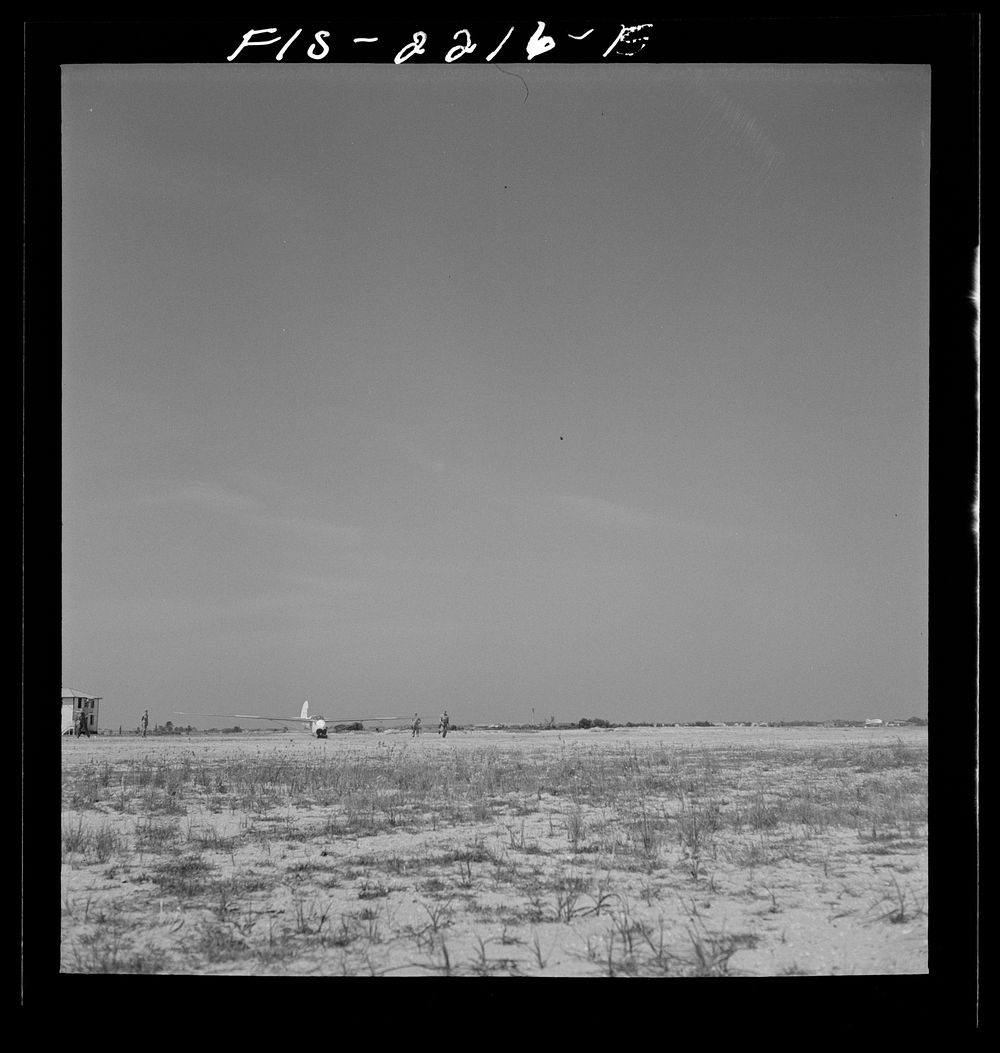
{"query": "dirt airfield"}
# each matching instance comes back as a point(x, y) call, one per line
point(623, 852)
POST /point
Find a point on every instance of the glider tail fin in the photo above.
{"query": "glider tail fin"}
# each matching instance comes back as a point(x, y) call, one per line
point(304, 715)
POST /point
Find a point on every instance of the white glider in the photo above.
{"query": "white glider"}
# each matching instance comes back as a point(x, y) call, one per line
point(317, 725)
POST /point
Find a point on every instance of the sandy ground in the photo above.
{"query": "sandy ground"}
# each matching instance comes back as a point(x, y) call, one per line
point(560, 881)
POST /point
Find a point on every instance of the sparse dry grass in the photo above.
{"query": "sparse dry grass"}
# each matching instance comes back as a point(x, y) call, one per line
point(630, 853)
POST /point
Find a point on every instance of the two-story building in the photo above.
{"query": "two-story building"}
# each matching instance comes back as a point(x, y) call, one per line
point(73, 704)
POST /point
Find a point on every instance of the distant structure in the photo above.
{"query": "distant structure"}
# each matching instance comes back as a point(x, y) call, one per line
point(73, 704)
point(873, 722)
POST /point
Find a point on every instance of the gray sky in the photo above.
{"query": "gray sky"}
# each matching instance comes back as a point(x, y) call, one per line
point(393, 389)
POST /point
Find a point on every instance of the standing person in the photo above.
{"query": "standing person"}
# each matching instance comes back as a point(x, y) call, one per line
point(444, 724)
point(81, 727)
point(416, 726)
point(144, 723)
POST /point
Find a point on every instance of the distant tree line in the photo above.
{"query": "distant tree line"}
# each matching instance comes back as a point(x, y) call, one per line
point(170, 728)
point(584, 722)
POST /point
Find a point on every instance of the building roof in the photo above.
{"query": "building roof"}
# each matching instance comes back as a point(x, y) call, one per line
point(71, 692)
